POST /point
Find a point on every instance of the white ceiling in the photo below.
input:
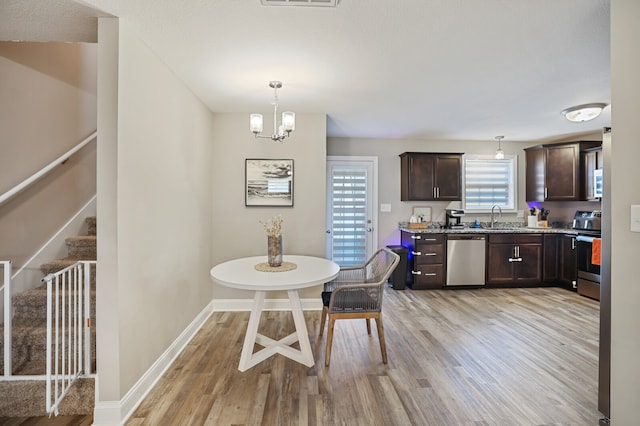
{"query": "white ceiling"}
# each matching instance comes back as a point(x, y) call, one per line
point(427, 69)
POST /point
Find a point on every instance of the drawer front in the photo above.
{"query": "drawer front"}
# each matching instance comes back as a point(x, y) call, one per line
point(425, 238)
point(427, 254)
point(428, 276)
point(515, 238)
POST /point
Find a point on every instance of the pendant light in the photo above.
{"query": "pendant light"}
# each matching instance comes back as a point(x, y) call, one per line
point(499, 152)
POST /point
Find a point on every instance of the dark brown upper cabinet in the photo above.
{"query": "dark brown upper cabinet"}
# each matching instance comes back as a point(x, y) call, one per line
point(557, 172)
point(430, 176)
point(593, 160)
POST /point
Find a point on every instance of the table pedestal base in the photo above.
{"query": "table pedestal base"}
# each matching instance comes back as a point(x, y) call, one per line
point(271, 347)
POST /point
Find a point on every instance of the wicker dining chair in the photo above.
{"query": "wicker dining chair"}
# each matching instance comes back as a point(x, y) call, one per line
point(357, 293)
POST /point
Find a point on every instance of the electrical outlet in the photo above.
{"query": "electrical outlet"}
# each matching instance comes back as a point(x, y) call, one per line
point(385, 208)
point(520, 213)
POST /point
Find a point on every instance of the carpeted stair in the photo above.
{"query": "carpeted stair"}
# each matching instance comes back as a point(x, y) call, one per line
point(27, 398)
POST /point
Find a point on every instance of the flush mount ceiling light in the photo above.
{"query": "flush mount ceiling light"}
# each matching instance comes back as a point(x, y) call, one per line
point(499, 152)
point(281, 132)
point(584, 112)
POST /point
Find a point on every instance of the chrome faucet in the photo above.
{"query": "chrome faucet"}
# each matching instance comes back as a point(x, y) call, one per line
point(493, 221)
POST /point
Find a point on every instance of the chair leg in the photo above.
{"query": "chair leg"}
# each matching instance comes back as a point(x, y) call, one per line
point(383, 346)
point(327, 354)
point(323, 319)
point(368, 326)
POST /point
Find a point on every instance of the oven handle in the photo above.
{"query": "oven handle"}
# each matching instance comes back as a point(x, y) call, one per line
point(585, 238)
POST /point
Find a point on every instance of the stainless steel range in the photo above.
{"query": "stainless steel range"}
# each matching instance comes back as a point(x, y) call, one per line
point(588, 225)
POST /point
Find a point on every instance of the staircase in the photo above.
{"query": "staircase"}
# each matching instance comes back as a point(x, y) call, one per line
point(26, 398)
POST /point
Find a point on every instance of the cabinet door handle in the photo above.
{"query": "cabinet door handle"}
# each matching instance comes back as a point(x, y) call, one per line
point(573, 243)
point(431, 254)
point(416, 237)
point(515, 259)
point(433, 191)
point(416, 272)
point(431, 274)
point(545, 192)
point(438, 192)
point(416, 253)
point(430, 239)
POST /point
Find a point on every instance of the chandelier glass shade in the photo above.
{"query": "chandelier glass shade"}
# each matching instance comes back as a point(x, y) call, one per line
point(280, 132)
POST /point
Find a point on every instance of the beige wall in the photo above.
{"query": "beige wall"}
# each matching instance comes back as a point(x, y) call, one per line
point(625, 245)
point(47, 106)
point(387, 151)
point(154, 205)
point(236, 228)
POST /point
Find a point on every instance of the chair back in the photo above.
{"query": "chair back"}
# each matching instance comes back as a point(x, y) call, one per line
point(364, 294)
point(381, 265)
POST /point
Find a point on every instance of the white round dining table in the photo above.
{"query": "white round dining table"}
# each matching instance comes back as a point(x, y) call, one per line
point(242, 274)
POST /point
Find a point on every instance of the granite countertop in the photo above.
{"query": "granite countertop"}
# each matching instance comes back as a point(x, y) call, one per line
point(500, 228)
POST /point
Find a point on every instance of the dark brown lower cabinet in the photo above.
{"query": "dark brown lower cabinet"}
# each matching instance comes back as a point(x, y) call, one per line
point(514, 259)
point(568, 261)
point(560, 262)
point(550, 258)
point(427, 259)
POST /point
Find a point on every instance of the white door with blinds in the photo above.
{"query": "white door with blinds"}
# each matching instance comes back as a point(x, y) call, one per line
point(351, 214)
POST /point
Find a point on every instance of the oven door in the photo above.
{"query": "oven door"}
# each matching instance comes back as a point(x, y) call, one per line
point(586, 269)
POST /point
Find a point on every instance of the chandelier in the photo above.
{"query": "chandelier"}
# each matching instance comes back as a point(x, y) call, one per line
point(285, 128)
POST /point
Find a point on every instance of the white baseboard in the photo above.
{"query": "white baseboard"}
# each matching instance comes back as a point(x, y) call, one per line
point(116, 413)
point(236, 305)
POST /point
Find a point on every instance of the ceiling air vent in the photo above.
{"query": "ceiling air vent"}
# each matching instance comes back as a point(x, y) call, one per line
point(323, 3)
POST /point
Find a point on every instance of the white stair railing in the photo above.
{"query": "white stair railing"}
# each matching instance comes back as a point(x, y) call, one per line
point(46, 169)
point(8, 315)
point(68, 330)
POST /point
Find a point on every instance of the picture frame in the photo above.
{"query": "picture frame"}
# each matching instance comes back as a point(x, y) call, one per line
point(268, 182)
point(422, 213)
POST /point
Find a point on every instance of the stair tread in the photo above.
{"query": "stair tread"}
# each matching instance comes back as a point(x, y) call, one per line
point(81, 240)
point(22, 398)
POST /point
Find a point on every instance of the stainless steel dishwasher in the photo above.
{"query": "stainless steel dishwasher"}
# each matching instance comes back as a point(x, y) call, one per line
point(465, 259)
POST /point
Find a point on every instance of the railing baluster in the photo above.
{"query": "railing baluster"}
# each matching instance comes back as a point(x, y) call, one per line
point(68, 330)
point(8, 314)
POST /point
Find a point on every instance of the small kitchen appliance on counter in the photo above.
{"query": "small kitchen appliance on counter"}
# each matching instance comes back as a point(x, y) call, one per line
point(452, 218)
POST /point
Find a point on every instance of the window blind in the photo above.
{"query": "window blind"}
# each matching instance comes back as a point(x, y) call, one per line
point(489, 182)
point(349, 216)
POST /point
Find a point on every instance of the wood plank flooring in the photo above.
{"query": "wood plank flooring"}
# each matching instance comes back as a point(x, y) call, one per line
point(456, 357)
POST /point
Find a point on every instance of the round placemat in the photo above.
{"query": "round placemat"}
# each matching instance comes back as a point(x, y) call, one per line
point(285, 266)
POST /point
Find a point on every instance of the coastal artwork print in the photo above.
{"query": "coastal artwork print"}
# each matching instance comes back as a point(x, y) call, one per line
point(268, 182)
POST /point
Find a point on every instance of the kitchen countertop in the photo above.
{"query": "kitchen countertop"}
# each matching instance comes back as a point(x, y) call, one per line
point(497, 230)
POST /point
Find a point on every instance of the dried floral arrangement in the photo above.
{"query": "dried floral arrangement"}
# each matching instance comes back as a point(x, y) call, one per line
point(273, 226)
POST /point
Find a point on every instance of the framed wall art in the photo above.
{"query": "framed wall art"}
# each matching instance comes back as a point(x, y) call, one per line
point(268, 183)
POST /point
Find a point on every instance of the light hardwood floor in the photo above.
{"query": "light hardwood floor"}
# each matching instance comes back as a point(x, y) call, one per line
point(456, 357)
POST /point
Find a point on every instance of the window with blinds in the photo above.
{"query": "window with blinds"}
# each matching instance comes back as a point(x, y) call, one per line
point(349, 216)
point(489, 182)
